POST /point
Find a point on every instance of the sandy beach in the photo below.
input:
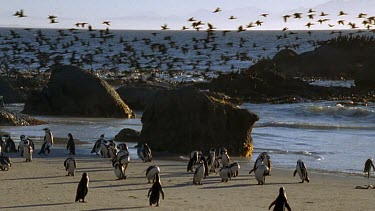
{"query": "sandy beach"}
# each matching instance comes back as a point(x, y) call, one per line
point(42, 185)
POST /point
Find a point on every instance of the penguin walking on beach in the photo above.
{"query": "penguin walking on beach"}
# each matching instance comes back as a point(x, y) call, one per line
point(199, 174)
point(144, 152)
point(154, 192)
point(281, 201)
point(119, 171)
point(48, 142)
point(5, 163)
point(301, 169)
point(71, 146)
point(212, 161)
point(10, 146)
point(104, 148)
point(70, 165)
point(25, 142)
point(122, 157)
point(83, 188)
point(368, 164)
point(262, 159)
point(224, 157)
point(151, 171)
point(225, 174)
point(194, 159)
point(260, 174)
point(96, 147)
point(112, 149)
point(28, 150)
point(234, 167)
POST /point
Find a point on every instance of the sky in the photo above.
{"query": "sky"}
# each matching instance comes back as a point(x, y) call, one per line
point(151, 14)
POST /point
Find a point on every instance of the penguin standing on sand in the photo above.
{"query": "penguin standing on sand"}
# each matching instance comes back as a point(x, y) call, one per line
point(212, 161)
point(21, 144)
point(112, 149)
point(70, 165)
point(104, 149)
point(48, 142)
point(302, 171)
point(83, 188)
point(144, 152)
point(262, 159)
point(122, 157)
point(260, 174)
point(193, 161)
point(5, 163)
point(151, 171)
point(2, 145)
point(71, 146)
point(10, 146)
point(234, 167)
point(199, 174)
point(28, 150)
point(119, 171)
point(225, 174)
point(154, 192)
point(224, 157)
point(368, 164)
point(281, 201)
point(98, 143)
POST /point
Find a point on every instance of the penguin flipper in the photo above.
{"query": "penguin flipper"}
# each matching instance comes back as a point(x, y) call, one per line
point(295, 172)
point(273, 203)
point(287, 206)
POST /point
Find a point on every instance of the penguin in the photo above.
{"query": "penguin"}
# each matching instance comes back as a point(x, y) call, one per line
point(225, 159)
point(83, 188)
point(281, 201)
point(96, 147)
point(262, 159)
point(2, 145)
point(204, 162)
point(48, 142)
point(71, 146)
point(21, 144)
point(119, 171)
point(193, 160)
point(225, 174)
point(154, 192)
point(5, 163)
point(27, 150)
point(234, 167)
point(199, 174)
point(10, 146)
point(144, 152)
point(112, 150)
point(151, 171)
point(260, 174)
point(104, 149)
point(122, 146)
point(212, 161)
point(70, 165)
point(302, 171)
point(368, 164)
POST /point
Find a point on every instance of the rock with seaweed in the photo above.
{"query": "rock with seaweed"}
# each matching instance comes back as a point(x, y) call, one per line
point(73, 91)
point(186, 119)
point(10, 118)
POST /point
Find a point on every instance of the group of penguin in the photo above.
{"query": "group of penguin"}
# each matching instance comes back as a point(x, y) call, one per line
point(25, 148)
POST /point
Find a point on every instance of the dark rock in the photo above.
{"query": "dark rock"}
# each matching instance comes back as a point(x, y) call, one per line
point(365, 79)
point(128, 135)
point(139, 95)
point(284, 55)
point(9, 93)
point(9, 118)
point(186, 119)
point(72, 91)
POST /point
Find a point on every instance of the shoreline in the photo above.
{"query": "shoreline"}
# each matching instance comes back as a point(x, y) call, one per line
point(39, 180)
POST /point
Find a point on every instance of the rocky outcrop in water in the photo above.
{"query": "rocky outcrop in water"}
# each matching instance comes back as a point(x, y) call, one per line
point(186, 119)
point(73, 91)
point(9, 118)
point(128, 135)
point(9, 93)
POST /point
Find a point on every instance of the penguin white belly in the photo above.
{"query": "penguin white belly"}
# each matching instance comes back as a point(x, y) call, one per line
point(225, 160)
point(71, 169)
point(260, 174)
point(198, 175)
point(124, 160)
point(119, 171)
point(150, 175)
point(225, 174)
point(104, 150)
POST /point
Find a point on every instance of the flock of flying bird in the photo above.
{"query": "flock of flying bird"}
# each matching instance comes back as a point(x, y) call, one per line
point(113, 51)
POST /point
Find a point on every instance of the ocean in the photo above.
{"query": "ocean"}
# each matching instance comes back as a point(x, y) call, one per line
point(329, 137)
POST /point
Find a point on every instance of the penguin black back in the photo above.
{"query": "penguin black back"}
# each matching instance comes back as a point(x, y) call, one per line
point(154, 192)
point(83, 188)
point(281, 201)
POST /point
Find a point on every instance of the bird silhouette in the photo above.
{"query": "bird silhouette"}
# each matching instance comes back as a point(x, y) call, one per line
point(341, 22)
point(311, 11)
point(164, 27)
point(232, 18)
point(362, 15)
point(341, 13)
point(20, 14)
point(217, 10)
point(285, 17)
point(264, 15)
point(108, 23)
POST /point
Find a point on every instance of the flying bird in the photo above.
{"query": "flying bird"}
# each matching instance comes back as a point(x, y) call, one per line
point(164, 27)
point(19, 14)
point(217, 10)
point(342, 13)
point(285, 17)
point(232, 18)
point(361, 15)
point(108, 23)
point(264, 15)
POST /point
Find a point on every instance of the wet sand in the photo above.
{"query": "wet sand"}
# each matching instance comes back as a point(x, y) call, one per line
point(42, 185)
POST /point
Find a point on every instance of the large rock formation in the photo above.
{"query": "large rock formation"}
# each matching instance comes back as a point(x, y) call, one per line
point(186, 119)
point(9, 93)
point(72, 91)
point(139, 95)
point(9, 118)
